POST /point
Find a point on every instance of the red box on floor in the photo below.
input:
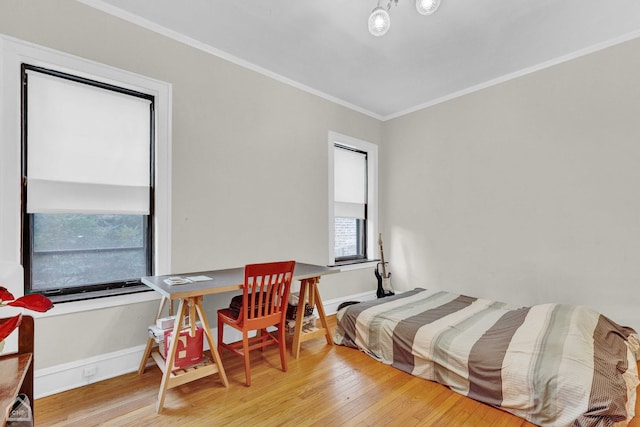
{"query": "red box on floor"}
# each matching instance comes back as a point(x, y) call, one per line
point(189, 350)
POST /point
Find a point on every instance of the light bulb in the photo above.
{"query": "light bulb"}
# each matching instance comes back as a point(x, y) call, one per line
point(379, 21)
point(427, 7)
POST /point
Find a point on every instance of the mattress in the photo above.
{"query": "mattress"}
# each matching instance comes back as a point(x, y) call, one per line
point(551, 364)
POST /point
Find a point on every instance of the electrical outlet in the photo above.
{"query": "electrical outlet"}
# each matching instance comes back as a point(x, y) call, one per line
point(90, 371)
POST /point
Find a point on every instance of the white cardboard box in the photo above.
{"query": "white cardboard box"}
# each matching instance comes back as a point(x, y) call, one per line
point(166, 322)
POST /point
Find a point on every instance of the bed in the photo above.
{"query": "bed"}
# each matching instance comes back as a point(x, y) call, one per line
point(551, 364)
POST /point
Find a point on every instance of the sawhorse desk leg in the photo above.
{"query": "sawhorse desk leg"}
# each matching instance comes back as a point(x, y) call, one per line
point(309, 289)
point(150, 341)
point(171, 377)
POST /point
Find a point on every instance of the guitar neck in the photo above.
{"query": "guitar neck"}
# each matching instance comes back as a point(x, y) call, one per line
point(384, 267)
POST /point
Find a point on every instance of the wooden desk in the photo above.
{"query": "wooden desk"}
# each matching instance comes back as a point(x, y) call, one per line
point(16, 370)
point(190, 297)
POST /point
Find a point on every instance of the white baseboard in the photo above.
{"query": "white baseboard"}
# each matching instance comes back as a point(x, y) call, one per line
point(331, 306)
point(67, 376)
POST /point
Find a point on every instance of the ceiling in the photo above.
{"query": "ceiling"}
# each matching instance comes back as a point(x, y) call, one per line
point(324, 46)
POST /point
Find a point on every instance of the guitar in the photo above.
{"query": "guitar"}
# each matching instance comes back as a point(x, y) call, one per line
point(384, 279)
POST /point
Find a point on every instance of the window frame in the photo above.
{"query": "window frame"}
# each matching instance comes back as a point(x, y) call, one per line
point(361, 223)
point(14, 53)
point(371, 232)
point(86, 291)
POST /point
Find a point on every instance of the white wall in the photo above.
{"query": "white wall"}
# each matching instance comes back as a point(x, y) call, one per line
point(528, 191)
point(249, 178)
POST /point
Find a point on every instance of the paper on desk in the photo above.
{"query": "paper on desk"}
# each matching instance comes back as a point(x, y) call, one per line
point(199, 278)
point(177, 280)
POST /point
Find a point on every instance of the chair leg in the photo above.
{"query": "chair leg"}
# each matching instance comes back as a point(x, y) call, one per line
point(220, 330)
point(282, 345)
point(260, 336)
point(245, 349)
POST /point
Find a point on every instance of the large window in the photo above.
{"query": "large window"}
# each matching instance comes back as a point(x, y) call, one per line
point(87, 159)
point(353, 194)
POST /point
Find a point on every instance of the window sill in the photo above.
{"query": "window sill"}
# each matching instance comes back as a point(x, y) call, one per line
point(70, 307)
point(355, 265)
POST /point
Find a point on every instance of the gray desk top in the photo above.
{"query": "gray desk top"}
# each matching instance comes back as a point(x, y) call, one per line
point(222, 280)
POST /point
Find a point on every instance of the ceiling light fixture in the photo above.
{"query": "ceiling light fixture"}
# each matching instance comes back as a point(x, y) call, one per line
point(427, 7)
point(380, 21)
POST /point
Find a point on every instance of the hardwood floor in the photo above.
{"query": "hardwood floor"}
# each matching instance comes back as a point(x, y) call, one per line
point(327, 385)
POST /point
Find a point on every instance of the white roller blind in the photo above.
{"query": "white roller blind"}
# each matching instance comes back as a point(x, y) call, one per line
point(350, 183)
point(88, 148)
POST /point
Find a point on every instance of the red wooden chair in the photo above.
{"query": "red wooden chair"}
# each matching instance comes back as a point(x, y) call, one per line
point(265, 296)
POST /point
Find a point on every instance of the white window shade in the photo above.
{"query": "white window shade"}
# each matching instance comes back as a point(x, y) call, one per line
point(88, 148)
point(350, 183)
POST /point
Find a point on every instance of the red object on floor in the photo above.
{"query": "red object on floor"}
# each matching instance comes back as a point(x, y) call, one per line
point(189, 350)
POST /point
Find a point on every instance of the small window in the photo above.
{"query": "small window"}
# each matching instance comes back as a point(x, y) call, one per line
point(353, 213)
point(88, 185)
point(350, 203)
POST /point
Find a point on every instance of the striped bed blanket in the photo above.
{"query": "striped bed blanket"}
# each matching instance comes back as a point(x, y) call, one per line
point(551, 364)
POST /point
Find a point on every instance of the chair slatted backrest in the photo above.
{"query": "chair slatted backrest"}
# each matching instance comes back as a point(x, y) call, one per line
point(266, 291)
